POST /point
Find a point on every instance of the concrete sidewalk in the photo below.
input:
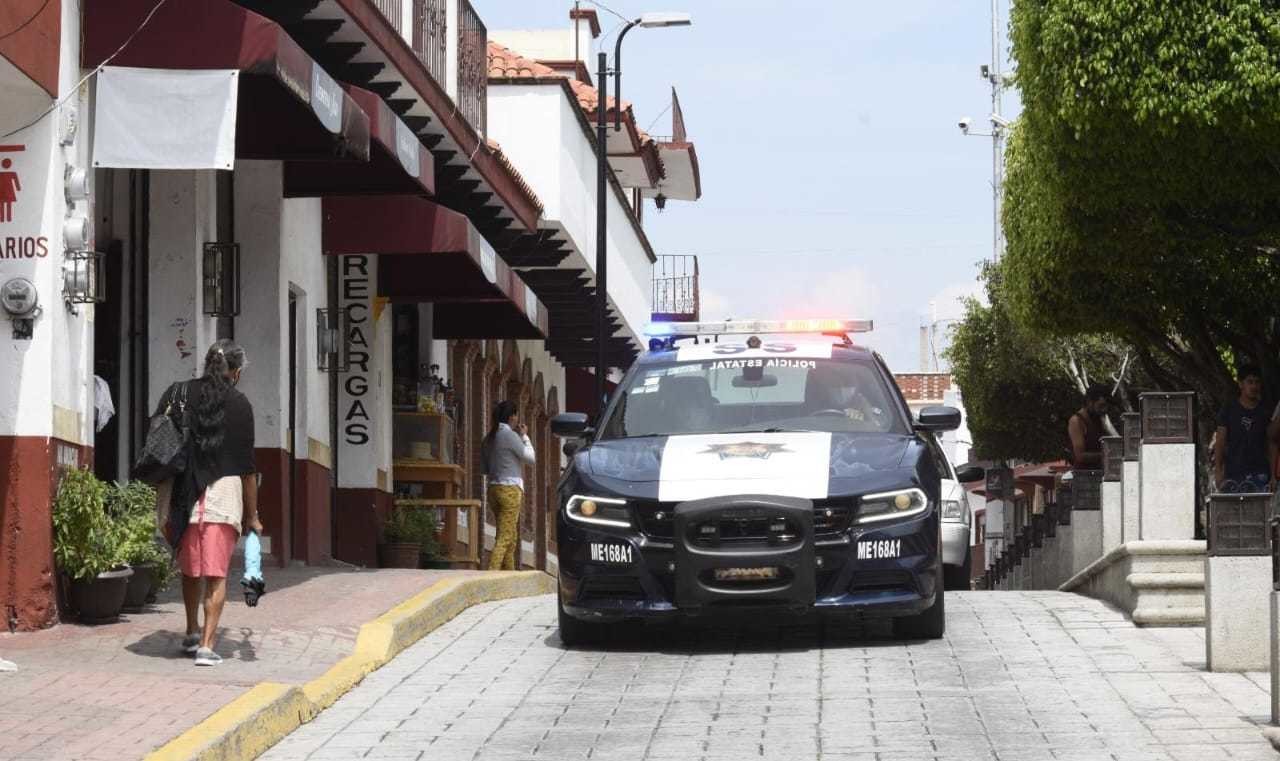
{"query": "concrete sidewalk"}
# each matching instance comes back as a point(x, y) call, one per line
point(122, 690)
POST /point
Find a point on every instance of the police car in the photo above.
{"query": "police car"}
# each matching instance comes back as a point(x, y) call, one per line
point(753, 466)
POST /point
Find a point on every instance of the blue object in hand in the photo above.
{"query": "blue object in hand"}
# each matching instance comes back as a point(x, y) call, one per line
point(254, 586)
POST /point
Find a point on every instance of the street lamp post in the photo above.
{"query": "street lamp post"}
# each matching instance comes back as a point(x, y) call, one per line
point(999, 125)
point(647, 21)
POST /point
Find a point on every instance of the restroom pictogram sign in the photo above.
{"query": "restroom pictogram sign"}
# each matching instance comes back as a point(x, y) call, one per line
point(10, 182)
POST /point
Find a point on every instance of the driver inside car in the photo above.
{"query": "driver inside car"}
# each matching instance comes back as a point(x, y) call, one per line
point(826, 389)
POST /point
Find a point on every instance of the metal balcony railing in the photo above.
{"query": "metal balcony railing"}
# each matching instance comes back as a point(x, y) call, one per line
point(473, 66)
point(675, 289)
point(430, 36)
point(393, 11)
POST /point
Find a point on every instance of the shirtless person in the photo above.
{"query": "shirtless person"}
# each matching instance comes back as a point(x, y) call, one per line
point(1085, 429)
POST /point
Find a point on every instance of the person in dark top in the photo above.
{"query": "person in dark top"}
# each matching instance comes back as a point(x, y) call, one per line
point(1085, 429)
point(216, 497)
point(1240, 458)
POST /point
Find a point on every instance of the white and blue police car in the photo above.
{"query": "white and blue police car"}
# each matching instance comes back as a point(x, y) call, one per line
point(753, 466)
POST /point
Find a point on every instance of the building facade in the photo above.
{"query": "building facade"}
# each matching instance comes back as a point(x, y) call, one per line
point(326, 184)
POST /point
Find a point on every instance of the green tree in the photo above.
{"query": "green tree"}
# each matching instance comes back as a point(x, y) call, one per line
point(1016, 396)
point(1143, 187)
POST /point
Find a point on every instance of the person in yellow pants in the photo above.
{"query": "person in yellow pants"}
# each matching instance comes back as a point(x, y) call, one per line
point(506, 451)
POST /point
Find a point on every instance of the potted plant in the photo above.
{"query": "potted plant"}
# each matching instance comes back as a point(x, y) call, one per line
point(133, 508)
point(86, 546)
point(401, 548)
point(428, 529)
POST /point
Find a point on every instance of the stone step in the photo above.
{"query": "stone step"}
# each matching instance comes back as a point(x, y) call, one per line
point(1159, 583)
point(1168, 580)
point(1189, 615)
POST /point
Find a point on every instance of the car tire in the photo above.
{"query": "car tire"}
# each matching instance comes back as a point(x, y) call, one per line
point(574, 632)
point(956, 577)
point(928, 624)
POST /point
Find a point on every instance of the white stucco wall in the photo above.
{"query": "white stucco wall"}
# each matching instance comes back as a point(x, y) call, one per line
point(279, 253)
point(541, 134)
point(47, 388)
point(182, 217)
point(542, 44)
point(304, 269)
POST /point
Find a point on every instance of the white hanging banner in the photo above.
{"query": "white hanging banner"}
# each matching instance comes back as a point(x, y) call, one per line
point(165, 118)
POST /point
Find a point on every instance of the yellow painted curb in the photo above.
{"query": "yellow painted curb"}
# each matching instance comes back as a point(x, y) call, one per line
point(243, 728)
point(249, 725)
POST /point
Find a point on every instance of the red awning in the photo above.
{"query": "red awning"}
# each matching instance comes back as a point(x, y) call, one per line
point(432, 254)
point(290, 108)
point(398, 161)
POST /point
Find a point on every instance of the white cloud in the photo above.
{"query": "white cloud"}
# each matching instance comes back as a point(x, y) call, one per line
point(950, 300)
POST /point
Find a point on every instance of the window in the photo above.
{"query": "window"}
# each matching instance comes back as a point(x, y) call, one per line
point(755, 393)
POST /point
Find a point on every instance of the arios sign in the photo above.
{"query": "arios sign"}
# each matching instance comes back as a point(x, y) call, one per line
point(14, 198)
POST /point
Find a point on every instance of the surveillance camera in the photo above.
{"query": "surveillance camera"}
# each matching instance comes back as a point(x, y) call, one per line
point(999, 121)
point(965, 124)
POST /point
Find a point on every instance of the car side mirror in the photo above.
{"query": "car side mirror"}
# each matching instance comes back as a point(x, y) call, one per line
point(938, 419)
point(967, 474)
point(570, 425)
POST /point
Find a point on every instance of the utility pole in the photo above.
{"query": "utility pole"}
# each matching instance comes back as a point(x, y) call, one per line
point(997, 133)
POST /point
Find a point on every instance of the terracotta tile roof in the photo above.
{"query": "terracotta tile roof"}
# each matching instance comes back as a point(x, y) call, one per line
point(505, 63)
point(524, 186)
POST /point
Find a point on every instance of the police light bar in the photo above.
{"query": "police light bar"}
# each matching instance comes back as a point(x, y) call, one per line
point(755, 327)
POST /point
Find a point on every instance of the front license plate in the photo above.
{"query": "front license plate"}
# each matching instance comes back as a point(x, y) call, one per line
point(882, 549)
point(610, 553)
point(746, 574)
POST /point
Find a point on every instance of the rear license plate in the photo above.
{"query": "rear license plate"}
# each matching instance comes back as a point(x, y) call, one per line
point(610, 553)
point(746, 574)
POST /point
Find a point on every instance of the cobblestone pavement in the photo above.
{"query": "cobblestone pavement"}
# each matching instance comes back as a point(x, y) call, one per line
point(1019, 677)
point(113, 692)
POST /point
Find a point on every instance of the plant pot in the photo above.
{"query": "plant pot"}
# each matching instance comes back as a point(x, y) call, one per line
point(401, 554)
point(436, 563)
point(141, 587)
point(99, 600)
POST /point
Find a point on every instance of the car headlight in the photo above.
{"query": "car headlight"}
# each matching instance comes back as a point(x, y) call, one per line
point(955, 511)
point(600, 511)
point(891, 505)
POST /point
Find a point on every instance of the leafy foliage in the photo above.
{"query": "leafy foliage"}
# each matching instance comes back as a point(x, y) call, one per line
point(1143, 187)
point(1016, 397)
point(133, 508)
point(85, 541)
point(414, 525)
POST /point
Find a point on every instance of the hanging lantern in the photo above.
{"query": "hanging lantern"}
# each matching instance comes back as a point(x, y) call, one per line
point(333, 344)
point(221, 277)
point(82, 277)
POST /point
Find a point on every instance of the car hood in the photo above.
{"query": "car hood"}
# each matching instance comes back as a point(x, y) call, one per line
point(811, 465)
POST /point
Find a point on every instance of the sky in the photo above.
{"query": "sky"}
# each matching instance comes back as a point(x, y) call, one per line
point(835, 179)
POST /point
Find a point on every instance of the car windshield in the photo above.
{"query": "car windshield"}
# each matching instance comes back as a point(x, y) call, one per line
point(754, 394)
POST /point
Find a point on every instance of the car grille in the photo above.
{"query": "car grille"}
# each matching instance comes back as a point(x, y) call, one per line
point(831, 517)
point(729, 529)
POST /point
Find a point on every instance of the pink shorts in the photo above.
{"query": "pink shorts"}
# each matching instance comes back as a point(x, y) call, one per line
point(206, 549)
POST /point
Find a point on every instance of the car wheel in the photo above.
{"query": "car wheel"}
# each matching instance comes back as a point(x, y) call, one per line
point(928, 624)
point(574, 632)
point(958, 576)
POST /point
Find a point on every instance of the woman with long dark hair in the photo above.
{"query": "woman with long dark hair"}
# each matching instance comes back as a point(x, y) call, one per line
point(218, 491)
point(506, 451)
